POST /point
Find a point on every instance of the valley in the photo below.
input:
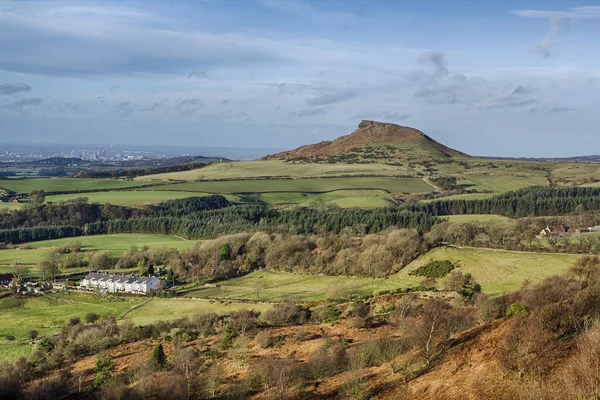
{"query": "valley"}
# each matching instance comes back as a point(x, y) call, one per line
point(358, 243)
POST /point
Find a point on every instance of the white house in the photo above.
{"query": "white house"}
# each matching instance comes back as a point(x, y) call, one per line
point(120, 283)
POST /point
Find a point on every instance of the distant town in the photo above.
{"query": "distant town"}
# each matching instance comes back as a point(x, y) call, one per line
point(17, 153)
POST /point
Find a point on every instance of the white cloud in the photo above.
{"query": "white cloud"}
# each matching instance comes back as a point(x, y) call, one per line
point(558, 23)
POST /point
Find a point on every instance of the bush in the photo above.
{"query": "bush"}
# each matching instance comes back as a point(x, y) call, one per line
point(263, 339)
point(91, 317)
point(325, 314)
point(326, 361)
point(434, 269)
point(516, 310)
point(158, 359)
point(102, 370)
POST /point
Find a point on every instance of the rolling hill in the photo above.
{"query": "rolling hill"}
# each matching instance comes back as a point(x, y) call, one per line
point(374, 141)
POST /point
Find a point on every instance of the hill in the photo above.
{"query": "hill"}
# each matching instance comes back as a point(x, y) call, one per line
point(374, 141)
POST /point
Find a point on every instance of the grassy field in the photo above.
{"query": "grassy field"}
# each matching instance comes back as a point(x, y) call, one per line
point(487, 218)
point(502, 183)
point(498, 271)
point(343, 198)
point(65, 184)
point(116, 244)
point(169, 309)
point(9, 206)
point(127, 198)
point(277, 285)
point(393, 185)
point(251, 169)
point(13, 351)
point(47, 313)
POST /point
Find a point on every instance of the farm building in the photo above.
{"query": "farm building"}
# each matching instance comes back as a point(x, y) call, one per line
point(120, 283)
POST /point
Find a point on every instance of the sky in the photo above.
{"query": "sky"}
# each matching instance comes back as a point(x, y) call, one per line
point(494, 78)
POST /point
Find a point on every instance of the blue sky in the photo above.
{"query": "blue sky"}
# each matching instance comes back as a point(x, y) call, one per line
point(502, 78)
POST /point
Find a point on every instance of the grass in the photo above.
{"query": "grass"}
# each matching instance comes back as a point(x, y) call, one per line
point(498, 271)
point(502, 183)
point(127, 198)
point(274, 285)
point(480, 218)
point(343, 198)
point(48, 312)
point(115, 243)
point(65, 184)
point(170, 309)
point(393, 185)
point(9, 206)
point(252, 169)
point(11, 352)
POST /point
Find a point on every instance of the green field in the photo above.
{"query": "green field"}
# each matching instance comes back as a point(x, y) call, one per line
point(9, 206)
point(47, 313)
point(65, 184)
point(13, 351)
point(116, 244)
point(127, 198)
point(342, 198)
point(392, 185)
point(480, 218)
point(277, 285)
point(502, 183)
point(498, 271)
point(169, 309)
point(253, 169)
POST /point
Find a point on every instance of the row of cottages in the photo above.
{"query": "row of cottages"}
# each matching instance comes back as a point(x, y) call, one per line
point(120, 283)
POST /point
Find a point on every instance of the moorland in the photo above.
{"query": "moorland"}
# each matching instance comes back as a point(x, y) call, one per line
point(382, 263)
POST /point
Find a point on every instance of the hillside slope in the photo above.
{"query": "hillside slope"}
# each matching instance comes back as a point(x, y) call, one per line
point(374, 140)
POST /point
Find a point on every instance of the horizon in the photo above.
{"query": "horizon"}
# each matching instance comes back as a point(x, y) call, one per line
point(491, 79)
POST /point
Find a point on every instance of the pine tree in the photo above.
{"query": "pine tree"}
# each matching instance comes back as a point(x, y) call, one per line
point(158, 357)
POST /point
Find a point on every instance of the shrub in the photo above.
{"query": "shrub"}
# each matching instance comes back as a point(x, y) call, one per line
point(325, 314)
point(326, 361)
point(158, 359)
point(263, 339)
point(434, 269)
point(91, 317)
point(516, 310)
point(102, 370)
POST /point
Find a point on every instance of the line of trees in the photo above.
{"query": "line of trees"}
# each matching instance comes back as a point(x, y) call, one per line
point(133, 172)
point(532, 201)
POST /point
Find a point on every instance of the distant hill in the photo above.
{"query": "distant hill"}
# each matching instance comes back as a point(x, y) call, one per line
point(374, 141)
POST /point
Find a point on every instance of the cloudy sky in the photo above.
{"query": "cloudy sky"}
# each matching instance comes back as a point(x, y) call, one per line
point(503, 78)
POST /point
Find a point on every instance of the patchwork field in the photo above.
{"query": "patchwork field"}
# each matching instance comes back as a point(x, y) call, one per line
point(393, 185)
point(33, 253)
point(498, 271)
point(274, 168)
point(65, 184)
point(277, 285)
